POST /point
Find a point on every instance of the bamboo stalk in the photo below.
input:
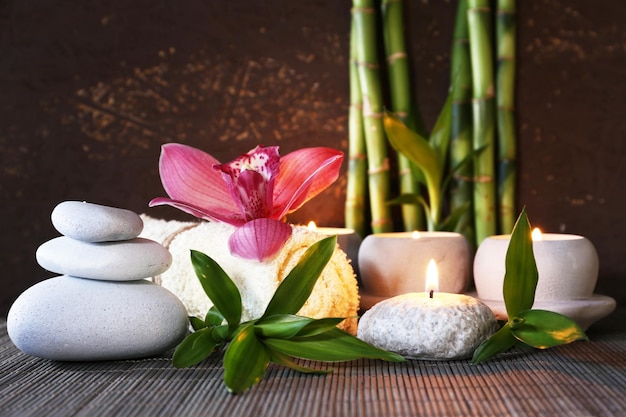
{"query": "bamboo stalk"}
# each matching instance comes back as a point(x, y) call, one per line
point(461, 190)
point(401, 103)
point(505, 97)
point(481, 54)
point(363, 13)
point(356, 187)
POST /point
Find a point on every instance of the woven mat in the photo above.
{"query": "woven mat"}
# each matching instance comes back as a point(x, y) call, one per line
point(581, 379)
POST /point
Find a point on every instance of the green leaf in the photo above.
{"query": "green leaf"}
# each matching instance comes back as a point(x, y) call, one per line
point(296, 288)
point(331, 346)
point(214, 317)
point(440, 135)
point(319, 326)
point(466, 160)
point(218, 286)
point(498, 342)
point(245, 360)
point(194, 348)
point(287, 361)
point(543, 329)
point(196, 323)
point(281, 326)
point(412, 199)
point(420, 152)
point(450, 223)
point(520, 279)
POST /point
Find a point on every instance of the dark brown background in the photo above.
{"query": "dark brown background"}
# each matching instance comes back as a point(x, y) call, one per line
point(90, 90)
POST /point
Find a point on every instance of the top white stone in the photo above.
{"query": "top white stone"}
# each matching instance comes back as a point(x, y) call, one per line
point(448, 326)
point(90, 222)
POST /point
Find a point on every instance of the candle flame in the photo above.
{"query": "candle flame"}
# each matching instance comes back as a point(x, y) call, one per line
point(432, 277)
point(311, 226)
point(536, 234)
point(415, 234)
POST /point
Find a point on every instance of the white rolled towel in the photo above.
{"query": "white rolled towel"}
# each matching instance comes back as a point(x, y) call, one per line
point(335, 293)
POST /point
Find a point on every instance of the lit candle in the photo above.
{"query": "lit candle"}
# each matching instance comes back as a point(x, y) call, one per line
point(387, 262)
point(568, 271)
point(428, 325)
point(567, 265)
point(347, 239)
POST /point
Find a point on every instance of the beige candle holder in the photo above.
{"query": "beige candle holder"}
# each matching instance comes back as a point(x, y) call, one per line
point(568, 271)
point(391, 264)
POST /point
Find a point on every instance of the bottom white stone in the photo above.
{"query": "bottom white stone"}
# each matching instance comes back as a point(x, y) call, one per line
point(75, 319)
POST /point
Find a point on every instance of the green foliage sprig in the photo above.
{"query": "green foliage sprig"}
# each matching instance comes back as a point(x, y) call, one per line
point(536, 328)
point(429, 155)
point(278, 335)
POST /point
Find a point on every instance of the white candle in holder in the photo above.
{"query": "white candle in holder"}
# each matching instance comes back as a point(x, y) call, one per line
point(388, 263)
point(567, 266)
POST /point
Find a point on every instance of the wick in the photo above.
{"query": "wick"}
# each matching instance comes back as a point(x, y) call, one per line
point(431, 293)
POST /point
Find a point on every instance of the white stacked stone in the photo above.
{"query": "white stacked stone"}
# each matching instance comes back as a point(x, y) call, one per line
point(101, 307)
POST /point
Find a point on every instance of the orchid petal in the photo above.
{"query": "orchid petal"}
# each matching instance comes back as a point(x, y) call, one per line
point(304, 174)
point(259, 239)
point(222, 216)
point(189, 179)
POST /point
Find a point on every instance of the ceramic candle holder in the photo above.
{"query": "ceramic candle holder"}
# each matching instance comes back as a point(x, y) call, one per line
point(391, 264)
point(568, 271)
point(567, 265)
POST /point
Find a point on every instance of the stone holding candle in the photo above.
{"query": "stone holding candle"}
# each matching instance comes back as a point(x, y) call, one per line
point(414, 325)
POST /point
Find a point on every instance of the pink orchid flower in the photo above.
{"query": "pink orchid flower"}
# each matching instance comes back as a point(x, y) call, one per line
point(254, 192)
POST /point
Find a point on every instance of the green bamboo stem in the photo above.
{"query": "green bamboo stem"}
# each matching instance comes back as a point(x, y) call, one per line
point(363, 14)
point(505, 98)
point(400, 92)
point(481, 54)
point(461, 189)
point(356, 188)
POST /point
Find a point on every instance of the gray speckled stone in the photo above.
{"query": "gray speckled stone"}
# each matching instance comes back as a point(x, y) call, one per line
point(95, 223)
point(74, 319)
point(110, 261)
point(448, 326)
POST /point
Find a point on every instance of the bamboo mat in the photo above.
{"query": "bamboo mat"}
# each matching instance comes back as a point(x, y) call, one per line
point(581, 379)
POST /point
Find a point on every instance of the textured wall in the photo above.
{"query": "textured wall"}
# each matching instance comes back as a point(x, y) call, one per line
point(89, 92)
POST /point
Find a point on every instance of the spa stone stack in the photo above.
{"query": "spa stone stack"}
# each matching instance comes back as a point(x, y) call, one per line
point(101, 307)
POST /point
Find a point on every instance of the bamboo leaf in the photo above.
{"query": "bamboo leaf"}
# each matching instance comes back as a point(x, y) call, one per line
point(500, 341)
point(287, 361)
point(245, 360)
point(281, 326)
point(521, 276)
point(543, 329)
point(196, 323)
point(331, 346)
point(194, 348)
point(450, 223)
point(297, 286)
point(459, 166)
point(319, 326)
point(440, 135)
point(422, 154)
point(213, 317)
point(218, 286)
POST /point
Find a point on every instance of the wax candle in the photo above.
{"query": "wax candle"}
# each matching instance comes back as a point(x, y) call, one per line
point(567, 266)
point(568, 270)
point(428, 325)
point(388, 261)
